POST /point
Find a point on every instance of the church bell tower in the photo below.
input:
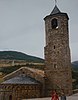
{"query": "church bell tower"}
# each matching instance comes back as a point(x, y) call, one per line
point(57, 53)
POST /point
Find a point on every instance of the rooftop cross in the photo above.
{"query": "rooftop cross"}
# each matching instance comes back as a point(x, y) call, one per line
point(55, 2)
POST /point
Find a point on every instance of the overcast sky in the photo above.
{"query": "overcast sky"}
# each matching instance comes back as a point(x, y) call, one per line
point(22, 25)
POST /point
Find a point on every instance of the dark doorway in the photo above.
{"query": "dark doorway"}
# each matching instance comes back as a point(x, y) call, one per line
point(10, 97)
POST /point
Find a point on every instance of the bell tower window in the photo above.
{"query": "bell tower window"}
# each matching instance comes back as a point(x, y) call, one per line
point(54, 23)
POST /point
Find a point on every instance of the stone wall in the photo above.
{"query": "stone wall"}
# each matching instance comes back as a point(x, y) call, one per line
point(18, 91)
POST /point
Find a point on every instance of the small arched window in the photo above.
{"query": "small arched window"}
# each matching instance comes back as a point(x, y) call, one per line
point(54, 46)
point(54, 23)
point(55, 66)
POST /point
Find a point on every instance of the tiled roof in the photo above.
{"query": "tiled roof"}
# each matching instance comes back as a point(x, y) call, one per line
point(21, 79)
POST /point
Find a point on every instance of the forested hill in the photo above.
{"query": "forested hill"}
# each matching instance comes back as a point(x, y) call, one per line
point(15, 55)
point(75, 65)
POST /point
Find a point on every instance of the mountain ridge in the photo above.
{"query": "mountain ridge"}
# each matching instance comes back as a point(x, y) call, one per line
point(15, 55)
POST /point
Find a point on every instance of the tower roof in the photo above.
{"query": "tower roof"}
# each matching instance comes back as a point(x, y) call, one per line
point(55, 10)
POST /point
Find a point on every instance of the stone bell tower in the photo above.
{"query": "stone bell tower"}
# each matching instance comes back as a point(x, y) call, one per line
point(57, 53)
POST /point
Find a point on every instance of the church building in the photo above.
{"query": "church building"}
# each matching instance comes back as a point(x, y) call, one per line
point(33, 83)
